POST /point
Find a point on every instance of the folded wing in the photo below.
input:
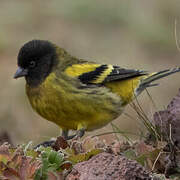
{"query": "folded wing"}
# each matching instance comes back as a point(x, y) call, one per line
point(89, 73)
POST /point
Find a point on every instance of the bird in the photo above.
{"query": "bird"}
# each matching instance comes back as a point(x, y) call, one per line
point(77, 94)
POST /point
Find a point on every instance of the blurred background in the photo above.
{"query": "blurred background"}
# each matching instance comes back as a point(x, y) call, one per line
point(132, 34)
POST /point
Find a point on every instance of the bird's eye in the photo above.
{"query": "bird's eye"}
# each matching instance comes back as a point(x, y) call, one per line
point(32, 64)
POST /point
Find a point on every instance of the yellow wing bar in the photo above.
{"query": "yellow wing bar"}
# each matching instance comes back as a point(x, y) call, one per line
point(89, 73)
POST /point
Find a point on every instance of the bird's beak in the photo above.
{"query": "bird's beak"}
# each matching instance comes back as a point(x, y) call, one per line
point(20, 73)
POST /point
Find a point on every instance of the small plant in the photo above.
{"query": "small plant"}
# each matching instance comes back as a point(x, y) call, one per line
point(51, 163)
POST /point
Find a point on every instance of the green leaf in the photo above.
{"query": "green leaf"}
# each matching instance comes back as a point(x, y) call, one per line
point(130, 154)
point(55, 158)
point(76, 158)
point(51, 162)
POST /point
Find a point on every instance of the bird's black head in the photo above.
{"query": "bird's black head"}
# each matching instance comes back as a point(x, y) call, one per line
point(35, 61)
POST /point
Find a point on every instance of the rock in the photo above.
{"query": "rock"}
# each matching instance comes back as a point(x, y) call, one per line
point(106, 166)
point(168, 121)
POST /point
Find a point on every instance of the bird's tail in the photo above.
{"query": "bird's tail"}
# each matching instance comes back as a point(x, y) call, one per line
point(147, 81)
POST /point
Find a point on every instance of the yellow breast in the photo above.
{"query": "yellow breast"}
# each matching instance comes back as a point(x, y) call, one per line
point(71, 108)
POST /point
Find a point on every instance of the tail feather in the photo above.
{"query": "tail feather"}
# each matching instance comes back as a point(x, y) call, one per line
point(146, 82)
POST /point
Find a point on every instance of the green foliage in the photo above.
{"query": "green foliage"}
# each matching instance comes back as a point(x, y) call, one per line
point(67, 153)
point(51, 162)
point(76, 158)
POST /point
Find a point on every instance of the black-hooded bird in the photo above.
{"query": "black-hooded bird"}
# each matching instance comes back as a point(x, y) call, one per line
point(77, 94)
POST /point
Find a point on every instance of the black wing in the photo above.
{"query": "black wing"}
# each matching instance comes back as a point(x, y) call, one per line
point(108, 73)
